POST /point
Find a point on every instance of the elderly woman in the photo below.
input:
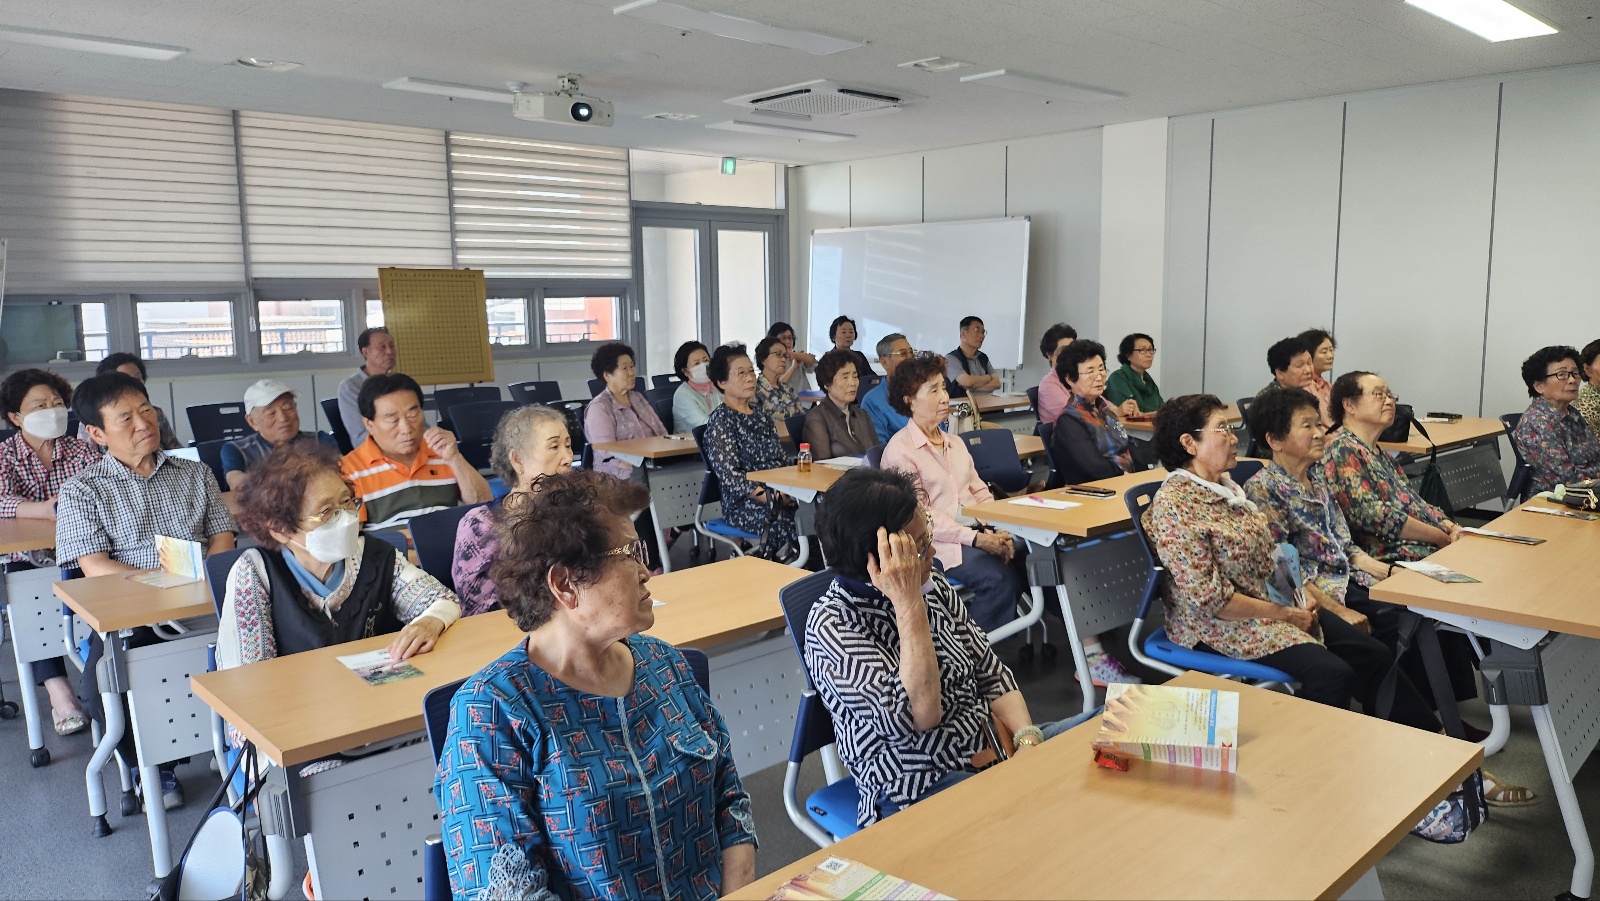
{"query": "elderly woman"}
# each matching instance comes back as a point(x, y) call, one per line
point(1053, 394)
point(980, 557)
point(774, 397)
point(618, 412)
point(696, 397)
point(1217, 548)
point(316, 580)
point(842, 332)
point(1088, 441)
point(913, 687)
point(33, 465)
point(530, 443)
point(585, 762)
point(1588, 402)
point(837, 426)
point(800, 362)
point(1387, 518)
point(740, 438)
point(1555, 441)
point(1131, 389)
point(1322, 353)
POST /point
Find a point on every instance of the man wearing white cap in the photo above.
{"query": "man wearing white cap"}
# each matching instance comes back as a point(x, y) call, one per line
point(270, 409)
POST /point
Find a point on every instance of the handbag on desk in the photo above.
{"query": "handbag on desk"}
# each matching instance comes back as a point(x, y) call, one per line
point(1580, 495)
point(1430, 487)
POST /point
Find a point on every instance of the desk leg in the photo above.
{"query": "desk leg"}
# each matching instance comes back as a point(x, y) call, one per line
point(1079, 659)
point(1571, 814)
point(1499, 729)
point(155, 815)
point(40, 755)
point(1367, 888)
point(116, 724)
point(661, 537)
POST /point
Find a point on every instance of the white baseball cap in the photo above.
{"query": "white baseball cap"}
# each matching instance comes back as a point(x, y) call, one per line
point(263, 393)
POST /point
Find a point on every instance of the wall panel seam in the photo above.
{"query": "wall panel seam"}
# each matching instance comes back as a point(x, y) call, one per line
point(1488, 273)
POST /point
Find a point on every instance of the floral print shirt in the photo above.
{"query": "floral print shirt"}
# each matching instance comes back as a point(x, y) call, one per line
point(24, 479)
point(1309, 519)
point(1212, 548)
point(737, 443)
point(1376, 498)
point(1557, 445)
point(776, 399)
point(477, 544)
point(1588, 406)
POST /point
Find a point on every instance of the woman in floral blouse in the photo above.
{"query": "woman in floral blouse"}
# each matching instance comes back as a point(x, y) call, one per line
point(1387, 518)
point(741, 438)
point(773, 395)
point(1554, 439)
point(1217, 548)
point(1588, 402)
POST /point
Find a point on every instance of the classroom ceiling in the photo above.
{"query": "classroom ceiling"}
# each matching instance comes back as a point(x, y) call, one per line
point(1166, 57)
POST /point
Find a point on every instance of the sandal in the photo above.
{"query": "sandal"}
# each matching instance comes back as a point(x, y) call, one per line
point(1499, 793)
point(70, 723)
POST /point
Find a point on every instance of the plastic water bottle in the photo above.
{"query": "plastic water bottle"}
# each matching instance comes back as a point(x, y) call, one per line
point(803, 461)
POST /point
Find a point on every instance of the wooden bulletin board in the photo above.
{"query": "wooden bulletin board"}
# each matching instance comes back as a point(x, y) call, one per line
point(440, 324)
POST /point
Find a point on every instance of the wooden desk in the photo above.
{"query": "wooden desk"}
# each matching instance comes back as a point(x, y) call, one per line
point(996, 403)
point(305, 706)
point(19, 535)
point(1147, 427)
point(1446, 435)
point(1091, 518)
point(1018, 830)
point(817, 481)
point(641, 449)
point(1029, 446)
point(115, 602)
point(674, 486)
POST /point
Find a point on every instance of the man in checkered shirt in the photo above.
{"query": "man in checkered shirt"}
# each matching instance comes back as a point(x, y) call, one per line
point(108, 516)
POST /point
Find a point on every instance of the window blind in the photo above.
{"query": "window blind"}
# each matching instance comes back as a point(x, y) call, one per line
point(526, 208)
point(332, 199)
point(112, 193)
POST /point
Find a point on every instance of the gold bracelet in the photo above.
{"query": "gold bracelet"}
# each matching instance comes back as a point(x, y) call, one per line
point(1028, 732)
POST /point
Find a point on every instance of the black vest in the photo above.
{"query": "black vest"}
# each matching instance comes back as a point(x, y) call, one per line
point(299, 626)
point(956, 388)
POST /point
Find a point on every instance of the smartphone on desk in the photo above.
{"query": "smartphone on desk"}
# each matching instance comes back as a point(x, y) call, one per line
point(1088, 491)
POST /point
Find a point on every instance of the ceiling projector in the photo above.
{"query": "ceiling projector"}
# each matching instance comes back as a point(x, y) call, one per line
point(564, 107)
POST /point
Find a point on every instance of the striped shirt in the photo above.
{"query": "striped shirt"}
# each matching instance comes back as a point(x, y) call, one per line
point(853, 655)
point(24, 479)
point(392, 492)
point(110, 509)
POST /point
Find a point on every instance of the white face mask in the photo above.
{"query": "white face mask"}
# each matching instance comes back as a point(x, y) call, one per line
point(46, 425)
point(697, 372)
point(335, 539)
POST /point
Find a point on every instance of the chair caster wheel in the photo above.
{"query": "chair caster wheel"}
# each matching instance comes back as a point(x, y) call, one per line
point(1025, 654)
point(1049, 652)
point(130, 804)
point(101, 827)
point(39, 757)
point(8, 710)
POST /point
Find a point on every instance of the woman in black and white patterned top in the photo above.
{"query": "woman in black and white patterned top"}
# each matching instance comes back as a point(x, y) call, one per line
point(908, 677)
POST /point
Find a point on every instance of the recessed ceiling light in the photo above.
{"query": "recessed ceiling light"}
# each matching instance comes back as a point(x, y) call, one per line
point(673, 117)
point(1492, 20)
point(780, 131)
point(678, 16)
point(936, 64)
point(266, 65)
point(84, 43)
point(1039, 87)
point(449, 89)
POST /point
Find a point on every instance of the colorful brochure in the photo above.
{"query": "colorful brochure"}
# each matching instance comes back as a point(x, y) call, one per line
point(1193, 727)
point(182, 563)
point(1502, 536)
point(1436, 572)
point(377, 669)
point(1558, 511)
point(838, 878)
point(1048, 503)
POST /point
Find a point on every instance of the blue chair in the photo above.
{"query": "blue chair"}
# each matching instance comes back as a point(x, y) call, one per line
point(994, 455)
point(574, 411)
point(436, 720)
point(1520, 488)
point(829, 813)
point(661, 401)
point(211, 455)
point(670, 380)
point(445, 400)
point(796, 426)
point(1033, 400)
point(396, 537)
point(330, 412)
point(210, 422)
point(718, 529)
point(498, 488)
point(435, 537)
point(1244, 469)
point(598, 385)
point(1249, 440)
point(547, 392)
point(873, 458)
point(475, 422)
point(1160, 652)
point(218, 566)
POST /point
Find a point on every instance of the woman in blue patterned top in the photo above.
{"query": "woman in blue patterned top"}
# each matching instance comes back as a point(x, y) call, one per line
point(585, 762)
point(741, 438)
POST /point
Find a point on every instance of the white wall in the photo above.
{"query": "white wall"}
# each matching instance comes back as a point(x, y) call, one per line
point(1133, 225)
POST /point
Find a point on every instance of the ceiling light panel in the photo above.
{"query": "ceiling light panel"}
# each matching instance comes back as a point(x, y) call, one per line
point(1492, 20)
point(84, 43)
point(679, 16)
point(780, 131)
point(449, 89)
point(1040, 87)
point(266, 65)
point(935, 64)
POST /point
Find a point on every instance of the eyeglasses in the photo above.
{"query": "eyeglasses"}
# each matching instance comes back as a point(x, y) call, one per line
point(1226, 430)
point(1144, 350)
point(637, 549)
point(350, 504)
point(899, 353)
point(1565, 375)
point(1385, 394)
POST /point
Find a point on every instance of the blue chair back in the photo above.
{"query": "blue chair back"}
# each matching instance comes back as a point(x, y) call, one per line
point(209, 422)
point(445, 400)
point(699, 665)
point(218, 566)
point(1521, 484)
point(1137, 499)
point(797, 599)
point(330, 412)
point(669, 380)
point(1244, 470)
point(598, 385)
point(435, 537)
point(211, 455)
point(545, 392)
point(1033, 400)
point(1047, 433)
point(395, 537)
point(796, 426)
point(711, 486)
point(574, 411)
point(1251, 443)
point(994, 455)
point(661, 401)
point(873, 458)
point(475, 422)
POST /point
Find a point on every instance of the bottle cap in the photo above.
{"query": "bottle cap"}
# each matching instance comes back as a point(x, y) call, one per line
point(804, 446)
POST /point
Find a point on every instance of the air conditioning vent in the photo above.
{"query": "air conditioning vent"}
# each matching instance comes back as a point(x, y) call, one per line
point(820, 100)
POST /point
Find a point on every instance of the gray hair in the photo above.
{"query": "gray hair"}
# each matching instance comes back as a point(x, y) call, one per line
point(515, 430)
point(886, 343)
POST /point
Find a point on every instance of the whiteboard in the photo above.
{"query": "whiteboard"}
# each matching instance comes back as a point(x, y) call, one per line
point(922, 280)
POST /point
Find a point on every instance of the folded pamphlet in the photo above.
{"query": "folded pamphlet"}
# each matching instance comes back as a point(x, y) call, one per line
point(1436, 572)
point(1570, 514)
point(182, 563)
point(838, 878)
point(1502, 536)
point(1045, 502)
point(1193, 727)
point(1286, 585)
point(841, 462)
point(377, 668)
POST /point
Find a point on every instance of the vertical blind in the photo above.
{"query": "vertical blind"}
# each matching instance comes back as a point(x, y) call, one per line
point(109, 193)
point(526, 208)
point(331, 199)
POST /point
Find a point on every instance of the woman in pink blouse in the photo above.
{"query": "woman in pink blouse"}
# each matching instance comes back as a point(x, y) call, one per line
point(982, 558)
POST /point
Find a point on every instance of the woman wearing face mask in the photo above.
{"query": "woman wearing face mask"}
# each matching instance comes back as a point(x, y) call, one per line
point(316, 581)
point(33, 465)
point(694, 400)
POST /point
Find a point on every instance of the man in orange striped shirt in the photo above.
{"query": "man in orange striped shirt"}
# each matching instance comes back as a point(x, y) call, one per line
point(406, 468)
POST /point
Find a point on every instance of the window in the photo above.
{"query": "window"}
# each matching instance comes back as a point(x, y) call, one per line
point(300, 326)
point(571, 319)
point(508, 320)
point(374, 313)
point(177, 328)
point(36, 334)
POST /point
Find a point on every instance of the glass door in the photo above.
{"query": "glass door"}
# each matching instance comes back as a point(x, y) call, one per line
point(743, 262)
point(673, 256)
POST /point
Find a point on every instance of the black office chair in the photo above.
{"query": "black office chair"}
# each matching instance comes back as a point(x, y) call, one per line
point(1248, 440)
point(330, 412)
point(1047, 433)
point(598, 385)
point(669, 380)
point(1244, 470)
point(210, 422)
point(447, 399)
point(211, 455)
point(574, 411)
point(1521, 485)
point(661, 401)
point(796, 426)
point(1033, 400)
point(994, 456)
point(535, 392)
point(434, 535)
point(475, 423)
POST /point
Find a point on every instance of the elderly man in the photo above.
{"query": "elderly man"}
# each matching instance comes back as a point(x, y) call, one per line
point(377, 357)
point(893, 349)
point(1291, 363)
point(968, 366)
point(270, 409)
